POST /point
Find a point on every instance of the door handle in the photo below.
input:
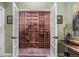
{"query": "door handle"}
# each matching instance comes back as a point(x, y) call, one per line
point(13, 37)
point(55, 37)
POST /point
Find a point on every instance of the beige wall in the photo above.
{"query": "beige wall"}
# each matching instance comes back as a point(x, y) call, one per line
point(2, 4)
point(65, 9)
point(8, 27)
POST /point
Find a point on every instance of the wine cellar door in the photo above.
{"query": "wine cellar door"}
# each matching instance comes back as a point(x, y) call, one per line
point(34, 30)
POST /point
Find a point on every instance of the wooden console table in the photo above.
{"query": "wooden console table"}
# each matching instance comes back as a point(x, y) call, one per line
point(71, 47)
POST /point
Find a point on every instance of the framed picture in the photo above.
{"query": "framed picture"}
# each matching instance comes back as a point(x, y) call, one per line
point(10, 19)
point(59, 19)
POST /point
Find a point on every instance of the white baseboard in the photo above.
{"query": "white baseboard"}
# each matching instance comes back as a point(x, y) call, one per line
point(8, 55)
point(61, 54)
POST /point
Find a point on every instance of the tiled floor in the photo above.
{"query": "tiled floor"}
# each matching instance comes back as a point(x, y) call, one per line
point(34, 52)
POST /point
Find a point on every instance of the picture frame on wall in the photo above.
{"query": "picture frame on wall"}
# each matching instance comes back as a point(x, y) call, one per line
point(9, 19)
point(59, 19)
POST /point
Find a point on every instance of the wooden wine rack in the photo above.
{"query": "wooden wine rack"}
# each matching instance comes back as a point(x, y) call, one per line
point(34, 29)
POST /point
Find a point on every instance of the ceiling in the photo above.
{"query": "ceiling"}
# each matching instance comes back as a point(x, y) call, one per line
point(34, 5)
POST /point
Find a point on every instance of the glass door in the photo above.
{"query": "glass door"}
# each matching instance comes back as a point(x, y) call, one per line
point(34, 31)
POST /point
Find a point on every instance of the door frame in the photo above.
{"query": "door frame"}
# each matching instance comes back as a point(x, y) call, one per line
point(54, 5)
point(36, 10)
point(14, 5)
point(3, 10)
